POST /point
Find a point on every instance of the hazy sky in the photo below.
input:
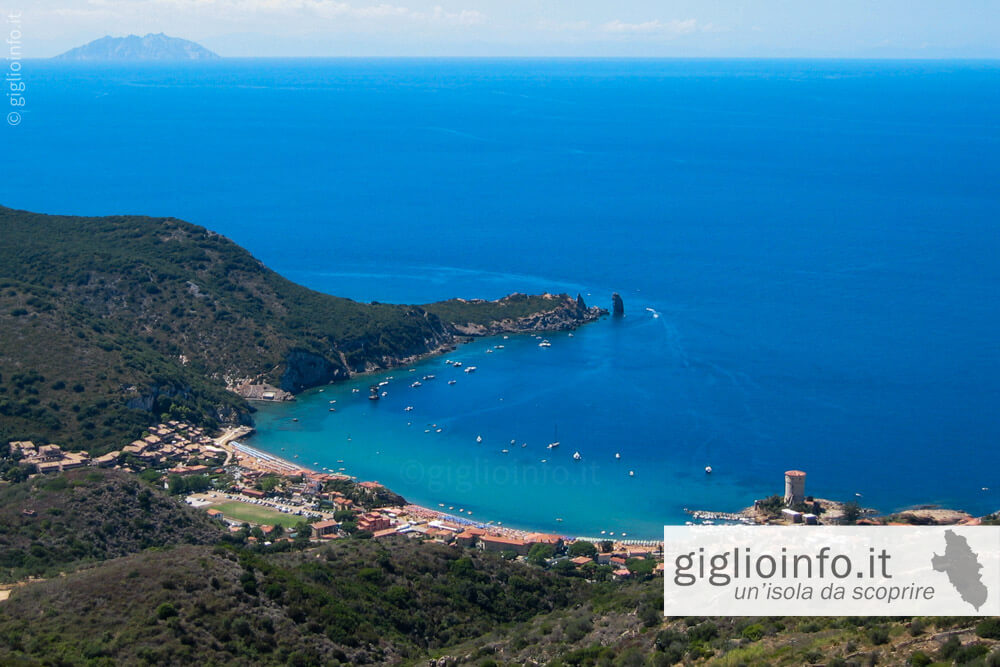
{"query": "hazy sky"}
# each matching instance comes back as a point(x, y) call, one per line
point(840, 28)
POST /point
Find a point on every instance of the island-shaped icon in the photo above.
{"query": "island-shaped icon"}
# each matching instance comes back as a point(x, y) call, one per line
point(136, 48)
point(962, 566)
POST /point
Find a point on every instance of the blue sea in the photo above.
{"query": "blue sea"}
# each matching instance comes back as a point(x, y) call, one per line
point(808, 251)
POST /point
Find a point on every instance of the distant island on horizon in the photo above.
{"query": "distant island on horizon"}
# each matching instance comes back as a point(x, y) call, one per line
point(135, 48)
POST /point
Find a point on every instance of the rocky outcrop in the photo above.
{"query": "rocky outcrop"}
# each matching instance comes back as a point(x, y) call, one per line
point(146, 400)
point(306, 369)
point(567, 315)
point(617, 305)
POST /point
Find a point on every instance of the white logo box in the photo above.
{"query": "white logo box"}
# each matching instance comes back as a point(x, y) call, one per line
point(831, 570)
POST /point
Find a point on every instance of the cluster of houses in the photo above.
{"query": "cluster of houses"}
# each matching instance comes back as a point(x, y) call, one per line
point(187, 447)
point(174, 442)
point(51, 458)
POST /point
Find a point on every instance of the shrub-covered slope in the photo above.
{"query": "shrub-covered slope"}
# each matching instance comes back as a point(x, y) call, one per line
point(51, 523)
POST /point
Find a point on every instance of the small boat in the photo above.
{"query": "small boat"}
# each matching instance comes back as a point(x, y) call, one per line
point(384, 394)
point(428, 377)
point(332, 402)
point(545, 343)
point(452, 381)
point(552, 445)
point(383, 383)
point(489, 351)
point(479, 438)
point(558, 519)
point(506, 337)
point(708, 470)
point(457, 364)
point(545, 460)
point(416, 384)
point(617, 455)
point(499, 347)
point(439, 430)
point(504, 451)
point(577, 457)
point(523, 445)
point(408, 408)
point(470, 369)
point(373, 393)
point(355, 391)
point(631, 473)
point(333, 409)
point(570, 335)
point(295, 419)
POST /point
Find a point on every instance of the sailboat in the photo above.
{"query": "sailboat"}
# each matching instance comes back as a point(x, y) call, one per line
point(555, 439)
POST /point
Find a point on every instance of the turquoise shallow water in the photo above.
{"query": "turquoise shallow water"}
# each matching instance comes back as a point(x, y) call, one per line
point(819, 239)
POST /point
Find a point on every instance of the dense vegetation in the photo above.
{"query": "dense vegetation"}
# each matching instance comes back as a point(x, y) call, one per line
point(110, 324)
point(136, 577)
point(52, 523)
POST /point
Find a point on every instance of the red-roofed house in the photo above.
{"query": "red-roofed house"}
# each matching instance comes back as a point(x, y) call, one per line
point(325, 529)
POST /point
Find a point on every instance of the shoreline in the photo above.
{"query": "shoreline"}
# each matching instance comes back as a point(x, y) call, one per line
point(262, 461)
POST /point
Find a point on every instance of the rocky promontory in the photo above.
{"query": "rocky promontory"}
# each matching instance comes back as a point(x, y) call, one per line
point(561, 313)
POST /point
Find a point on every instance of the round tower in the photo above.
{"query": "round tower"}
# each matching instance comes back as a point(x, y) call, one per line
point(795, 487)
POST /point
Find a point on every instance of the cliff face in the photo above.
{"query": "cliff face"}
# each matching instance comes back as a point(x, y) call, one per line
point(306, 369)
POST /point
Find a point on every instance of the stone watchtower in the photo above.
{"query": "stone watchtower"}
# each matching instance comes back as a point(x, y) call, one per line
point(795, 487)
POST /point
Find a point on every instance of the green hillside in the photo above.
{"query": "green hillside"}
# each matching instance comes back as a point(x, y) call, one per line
point(109, 324)
point(49, 524)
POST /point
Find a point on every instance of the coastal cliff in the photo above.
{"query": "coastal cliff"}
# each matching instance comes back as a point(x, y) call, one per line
point(110, 324)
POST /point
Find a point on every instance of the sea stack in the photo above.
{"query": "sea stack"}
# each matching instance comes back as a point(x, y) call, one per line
point(580, 303)
point(617, 306)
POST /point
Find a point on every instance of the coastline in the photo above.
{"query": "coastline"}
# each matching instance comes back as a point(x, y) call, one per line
point(259, 460)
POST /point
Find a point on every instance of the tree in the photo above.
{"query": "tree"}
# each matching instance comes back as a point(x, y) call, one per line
point(582, 548)
point(540, 553)
point(852, 511)
point(607, 546)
